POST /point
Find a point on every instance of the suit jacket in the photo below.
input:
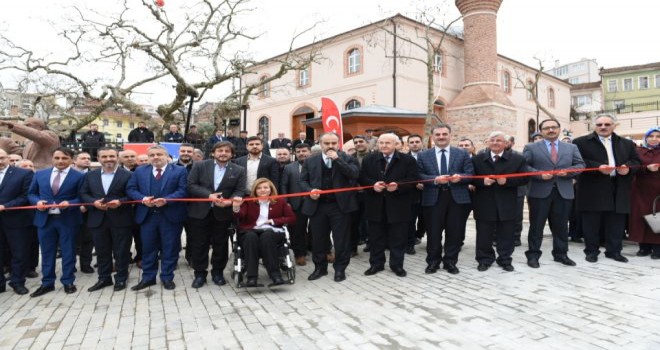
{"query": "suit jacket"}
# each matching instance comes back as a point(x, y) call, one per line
point(280, 212)
point(345, 172)
point(290, 183)
point(284, 143)
point(296, 142)
point(459, 163)
point(396, 204)
point(92, 190)
point(268, 168)
point(14, 193)
point(173, 185)
point(200, 185)
point(595, 189)
point(497, 202)
point(40, 189)
point(538, 159)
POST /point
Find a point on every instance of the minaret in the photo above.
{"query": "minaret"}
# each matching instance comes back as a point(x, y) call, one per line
point(482, 106)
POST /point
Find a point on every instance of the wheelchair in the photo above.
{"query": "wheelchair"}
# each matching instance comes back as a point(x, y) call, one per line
point(285, 258)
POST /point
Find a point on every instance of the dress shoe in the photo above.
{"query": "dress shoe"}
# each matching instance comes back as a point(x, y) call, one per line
point(591, 258)
point(70, 288)
point(451, 268)
point(366, 248)
point(517, 243)
point(643, 252)
point(169, 285)
point(411, 250)
point(340, 276)
point(277, 280)
point(483, 267)
point(431, 269)
point(143, 285)
point(219, 280)
point(576, 240)
point(399, 271)
point(373, 270)
point(198, 282)
point(330, 257)
point(99, 285)
point(655, 256)
point(533, 263)
point(300, 261)
point(86, 269)
point(565, 260)
point(119, 286)
point(318, 273)
point(418, 241)
point(32, 274)
point(19, 289)
point(354, 253)
point(507, 267)
point(617, 257)
point(3, 287)
point(42, 290)
point(251, 282)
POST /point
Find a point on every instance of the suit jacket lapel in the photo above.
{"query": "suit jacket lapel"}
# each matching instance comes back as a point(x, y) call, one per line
point(8, 173)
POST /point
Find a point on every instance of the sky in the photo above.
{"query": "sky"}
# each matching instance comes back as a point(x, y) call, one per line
point(614, 32)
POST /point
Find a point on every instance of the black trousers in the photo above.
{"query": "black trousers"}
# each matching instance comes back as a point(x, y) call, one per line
point(392, 235)
point(16, 242)
point(357, 226)
point(256, 244)
point(85, 245)
point(504, 233)
point(206, 233)
point(415, 225)
point(298, 235)
point(449, 217)
point(556, 210)
point(328, 218)
point(610, 223)
point(34, 249)
point(112, 242)
point(518, 224)
point(137, 239)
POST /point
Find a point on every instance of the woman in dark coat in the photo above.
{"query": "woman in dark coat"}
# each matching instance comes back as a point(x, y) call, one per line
point(646, 186)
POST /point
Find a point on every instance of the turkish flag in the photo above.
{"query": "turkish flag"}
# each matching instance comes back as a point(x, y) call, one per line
point(331, 119)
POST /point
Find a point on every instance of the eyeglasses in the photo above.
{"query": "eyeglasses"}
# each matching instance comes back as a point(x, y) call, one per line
point(604, 124)
point(550, 128)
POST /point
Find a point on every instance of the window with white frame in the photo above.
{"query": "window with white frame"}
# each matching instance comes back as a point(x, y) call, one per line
point(563, 70)
point(643, 82)
point(657, 81)
point(303, 77)
point(612, 86)
point(352, 104)
point(551, 97)
point(437, 63)
point(619, 104)
point(627, 84)
point(581, 100)
point(574, 80)
point(530, 85)
point(506, 81)
point(106, 122)
point(354, 61)
point(264, 88)
point(119, 123)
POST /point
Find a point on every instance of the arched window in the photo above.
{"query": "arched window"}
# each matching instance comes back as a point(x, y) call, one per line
point(530, 85)
point(264, 87)
point(354, 61)
point(437, 63)
point(506, 81)
point(264, 127)
point(551, 97)
point(303, 78)
point(352, 104)
point(531, 129)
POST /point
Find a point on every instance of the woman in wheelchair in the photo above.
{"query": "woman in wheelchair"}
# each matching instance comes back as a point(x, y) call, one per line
point(260, 230)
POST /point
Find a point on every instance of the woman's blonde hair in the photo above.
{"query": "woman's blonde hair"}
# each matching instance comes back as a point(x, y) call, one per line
point(259, 181)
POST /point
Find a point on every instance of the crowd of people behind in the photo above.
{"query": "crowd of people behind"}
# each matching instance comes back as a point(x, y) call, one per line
point(594, 189)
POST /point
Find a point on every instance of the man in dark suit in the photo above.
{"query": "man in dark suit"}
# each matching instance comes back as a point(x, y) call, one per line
point(15, 226)
point(302, 138)
point(258, 165)
point(330, 212)
point(444, 199)
point(549, 195)
point(174, 135)
point(221, 181)
point(416, 223)
point(58, 185)
point(141, 134)
point(495, 201)
point(280, 142)
point(603, 197)
point(290, 183)
point(108, 220)
point(161, 219)
point(92, 140)
point(388, 205)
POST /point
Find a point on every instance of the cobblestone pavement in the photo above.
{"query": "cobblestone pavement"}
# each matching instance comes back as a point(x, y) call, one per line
point(606, 305)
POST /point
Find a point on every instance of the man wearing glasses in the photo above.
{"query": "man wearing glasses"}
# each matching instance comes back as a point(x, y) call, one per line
point(550, 195)
point(603, 196)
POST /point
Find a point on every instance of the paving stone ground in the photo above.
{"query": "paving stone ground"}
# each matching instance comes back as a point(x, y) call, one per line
point(606, 305)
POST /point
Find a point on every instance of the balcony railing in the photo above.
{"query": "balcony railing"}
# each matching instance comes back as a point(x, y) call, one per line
point(625, 108)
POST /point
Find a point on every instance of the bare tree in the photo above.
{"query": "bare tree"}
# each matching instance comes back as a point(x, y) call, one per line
point(193, 49)
point(532, 89)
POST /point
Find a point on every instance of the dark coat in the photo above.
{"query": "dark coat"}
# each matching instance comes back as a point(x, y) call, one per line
point(645, 187)
point(14, 193)
point(141, 135)
point(290, 183)
point(268, 168)
point(173, 137)
point(40, 189)
point(200, 185)
point(396, 204)
point(497, 202)
point(345, 172)
point(92, 190)
point(597, 191)
point(284, 143)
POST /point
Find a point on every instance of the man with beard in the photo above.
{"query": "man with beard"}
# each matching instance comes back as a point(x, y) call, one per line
point(359, 222)
point(13, 158)
point(258, 165)
point(283, 157)
point(84, 240)
point(108, 221)
point(221, 181)
point(142, 159)
point(42, 141)
point(141, 134)
point(193, 136)
point(416, 225)
point(290, 183)
point(186, 156)
point(128, 159)
point(330, 212)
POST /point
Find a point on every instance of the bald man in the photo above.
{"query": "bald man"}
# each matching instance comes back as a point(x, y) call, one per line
point(42, 144)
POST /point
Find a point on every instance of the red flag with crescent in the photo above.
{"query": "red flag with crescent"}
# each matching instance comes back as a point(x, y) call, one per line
point(331, 119)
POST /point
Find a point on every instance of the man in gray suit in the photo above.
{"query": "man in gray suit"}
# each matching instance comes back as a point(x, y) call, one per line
point(221, 181)
point(550, 195)
point(290, 183)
